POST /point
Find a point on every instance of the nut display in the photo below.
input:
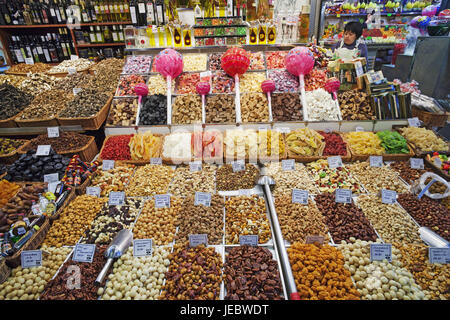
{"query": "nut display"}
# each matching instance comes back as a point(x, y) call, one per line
point(46, 105)
point(436, 187)
point(136, 278)
point(79, 64)
point(364, 143)
point(379, 280)
point(297, 221)
point(144, 146)
point(355, 105)
point(58, 288)
point(8, 146)
point(29, 283)
point(77, 80)
point(67, 141)
point(344, 220)
point(321, 106)
point(113, 64)
point(241, 144)
point(392, 223)
point(226, 179)
point(254, 107)
point(116, 148)
point(222, 83)
point(150, 180)
point(105, 81)
point(424, 139)
point(186, 182)
point(87, 103)
point(37, 83)
point(138, 64)
point(75, 219)
point(194, 274)
point(158, 85)
point(26, 68)
point(112, 180)
point(12, 101)
point(186, 82)
point(251, 273)
point(177, 145)
point(284, 80)
point(246, 216)
point(12, 80)
point(201, 219)
point(286, 107)
point(194, 62)
point(275, 59)
point(427, 213)
point(123, 112)
point(270, 144)
point(158, 224)
point(319, 273)
point(251, 81)
point(127, 84)
point(432, 277)
point(376, 178)
point(220, 108)
point(328, 179)
point(153, 110)
point(187, 109)
point(286, 180)
point(305, 142)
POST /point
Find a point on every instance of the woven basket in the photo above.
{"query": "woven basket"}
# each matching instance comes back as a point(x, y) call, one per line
point(13, 156)
point(10, 122)
point(430, 119)
point(65, 74)
point(5, 271)
point(48, 122)
point(88, 123)
point(69, 199)
point(418, 152)
point(437, 170)
point(33, 243)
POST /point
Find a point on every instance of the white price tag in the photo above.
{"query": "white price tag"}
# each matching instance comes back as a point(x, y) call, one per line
point(108, 165)
point(197, 239)
point(29, 61)
point(238, 165)
point(156, 161)
point(288, 165)
point(142, 247)
point(335, 162)
point(359, 69)
point(76, 91)
point(250, 240)
point(162, 201)
point(380, 251)
point(388, 196)
point(439, 255)
point(116, 198)
point(416, 163)
point(195, 166)
point(284, 130)
point(437, 162)
point(52, 186)
point(245, 192)
point(53, 132)
point(72, 70)
point(49, 178)
point(84, 252)
point(263, 128)
point(93, 191)
point(359, 129)
point(312, 239)
point(376, 161)
point(43, 150)
point(31, 258)
point(328, 130)
point(300, 196)
point(343, 196)
point(73, 57)
point(203, 198)
point(414, 122)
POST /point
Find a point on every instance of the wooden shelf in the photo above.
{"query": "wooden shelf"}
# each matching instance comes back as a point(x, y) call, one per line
point(115, 44)
point(62, 25)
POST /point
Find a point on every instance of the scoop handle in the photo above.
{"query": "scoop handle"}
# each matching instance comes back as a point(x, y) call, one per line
point(169, 100)
point(303, 96)
point(269, 99)
point(203, 109)
point(102, 273)
point(237, 99)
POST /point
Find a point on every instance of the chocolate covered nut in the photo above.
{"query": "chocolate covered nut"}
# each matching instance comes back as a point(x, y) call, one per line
point(228, 180)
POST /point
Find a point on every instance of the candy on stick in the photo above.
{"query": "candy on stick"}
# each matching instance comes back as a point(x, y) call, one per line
point(170, 64)
point(141, 90)
point(332, 86)
point(300, 61)
point(202, 89)
point(235, 62)
point(268, 86)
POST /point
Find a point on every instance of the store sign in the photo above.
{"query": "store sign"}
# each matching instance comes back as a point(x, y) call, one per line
point(43, 150)
point(288, 165)
point(388, 196)
point(195, 166)
point(116, 198)
point(108, 165)
point(162, 201)
point(238, 165)
point(439, 255)
point(380, 251)
point(142, 247)
point(249, 240)
point(343, 196)
point(202, 198)
point(335, 162)
point(376, 161)
point(84, 252)
point(416, 163)
point(93, 191)
point(300, 196)
point(414, 122)
point(31, 258)
point(197, 239)
point(53, 132)
point(156, 161)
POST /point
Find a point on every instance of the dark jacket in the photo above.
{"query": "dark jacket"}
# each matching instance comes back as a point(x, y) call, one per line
point(362, 48)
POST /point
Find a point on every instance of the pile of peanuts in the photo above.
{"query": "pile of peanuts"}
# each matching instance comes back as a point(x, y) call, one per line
point(246, 216)
point(406, 172)
point(391, 222)
point(136, 278)
point(186, 182)
point(286, 180)
point(379, 280)
point(374, 178)
point(158, 224)
point(297, 221)
point(319, 273)
point(74, 221)
point(150, 180)
point(112, 180)
point(29, 283)
point(254, 107)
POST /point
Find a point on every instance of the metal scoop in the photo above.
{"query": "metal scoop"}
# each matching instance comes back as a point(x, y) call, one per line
point(115, 250)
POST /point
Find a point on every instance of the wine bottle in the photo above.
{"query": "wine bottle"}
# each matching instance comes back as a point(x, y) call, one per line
point(142, 10)
point(133, 12)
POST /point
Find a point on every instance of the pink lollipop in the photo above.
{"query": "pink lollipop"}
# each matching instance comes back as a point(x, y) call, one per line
point(141, 90)
point(203, 89)
point(300, 61)
point(332, 86)
point(170, 64)
point(268, 86)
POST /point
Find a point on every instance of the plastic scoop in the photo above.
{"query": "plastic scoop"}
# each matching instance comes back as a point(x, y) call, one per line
point(332, 86)
point(203, 89)
point(268, 86)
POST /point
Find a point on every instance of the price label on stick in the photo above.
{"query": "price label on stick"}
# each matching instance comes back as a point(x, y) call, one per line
point(437, 162)
point(73, 57)
point(376, 161)
point(249, 240)
point(439, 255)
point(116, 198)
point(300, 196)
point(414, 122)
point(343, 196)
point(76, 91)
point(53, 132)
point(312, 239)
point(203, 198)
point(238, 165)
point(359, 69)
point(380, 251)
point(156, 161)
point(359, 129)
point(335, 162)
point(29, 61)
point(195, 166)
point(197, 239)
point(108, 165)
point(142, 247)
point(388, 196)
point(416, 163)
point(53, 177)
point(288, 165)
point(162, 201)
point(84, 252)
point(31, 258)
point(93, 191)
point(72, 70)
point(52, 186)
point(43, 150)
